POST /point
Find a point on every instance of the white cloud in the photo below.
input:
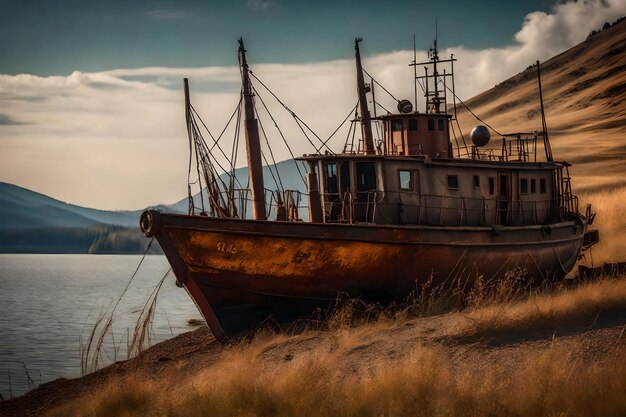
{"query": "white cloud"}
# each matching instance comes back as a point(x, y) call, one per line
point(117, 139)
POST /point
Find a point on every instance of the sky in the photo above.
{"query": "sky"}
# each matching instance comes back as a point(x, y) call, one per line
point(91, 102)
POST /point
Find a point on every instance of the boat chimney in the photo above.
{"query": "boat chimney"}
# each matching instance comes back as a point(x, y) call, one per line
point(366, 120)
point(253, 142)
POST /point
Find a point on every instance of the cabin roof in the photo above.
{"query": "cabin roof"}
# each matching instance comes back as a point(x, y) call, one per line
point(479, 163)
point(409, 115)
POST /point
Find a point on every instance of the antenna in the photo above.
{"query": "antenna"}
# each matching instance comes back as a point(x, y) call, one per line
point(436, 32)
point(415, 73)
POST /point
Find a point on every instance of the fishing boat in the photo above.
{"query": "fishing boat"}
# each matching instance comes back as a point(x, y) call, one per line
point(408, 202)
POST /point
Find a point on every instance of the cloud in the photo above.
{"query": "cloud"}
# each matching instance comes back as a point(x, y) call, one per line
point(117, 139)
point(7, 120)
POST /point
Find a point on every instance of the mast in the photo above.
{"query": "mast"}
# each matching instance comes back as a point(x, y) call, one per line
point(253, 143)
point(366, 120)
point(191, 207)
point(544, 125)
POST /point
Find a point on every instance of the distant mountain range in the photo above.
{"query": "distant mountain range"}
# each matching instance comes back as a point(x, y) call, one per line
point(32, 222)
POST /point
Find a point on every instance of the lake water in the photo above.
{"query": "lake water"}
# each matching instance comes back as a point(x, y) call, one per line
point(47, 301)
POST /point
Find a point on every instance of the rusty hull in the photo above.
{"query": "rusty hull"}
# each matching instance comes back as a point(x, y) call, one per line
point(242, 272)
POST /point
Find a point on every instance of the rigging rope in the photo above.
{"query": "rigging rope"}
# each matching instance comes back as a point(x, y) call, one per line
point(280, 182)
point(281, 134)
point(215, 143)
point(380, 85)
point(342, 123)
point(295, 116)
point(471, 112)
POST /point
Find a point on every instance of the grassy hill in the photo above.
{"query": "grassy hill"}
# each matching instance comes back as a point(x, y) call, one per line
point(584, 91)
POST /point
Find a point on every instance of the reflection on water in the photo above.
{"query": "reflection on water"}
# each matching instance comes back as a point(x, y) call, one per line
point(46, 301)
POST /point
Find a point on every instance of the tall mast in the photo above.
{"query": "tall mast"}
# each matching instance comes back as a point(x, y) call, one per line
point(546, 139)
point(366, 120)
point(253, 143)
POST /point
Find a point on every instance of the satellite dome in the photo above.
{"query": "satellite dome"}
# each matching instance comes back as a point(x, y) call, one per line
point(480, 135)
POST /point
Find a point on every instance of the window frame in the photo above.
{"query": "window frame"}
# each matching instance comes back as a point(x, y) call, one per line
point(411, 179)
point(456, 180)
point(410, 128)
point(397, 122)
point(523, 185)
point(476, 182)
point(326, 177)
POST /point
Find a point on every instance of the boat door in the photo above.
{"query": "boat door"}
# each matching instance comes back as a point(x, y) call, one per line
point(365, 191)
point(504, 197)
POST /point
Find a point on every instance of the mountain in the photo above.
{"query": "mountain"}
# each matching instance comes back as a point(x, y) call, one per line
point(31, 222)
point(584, 90)
point(25, 209)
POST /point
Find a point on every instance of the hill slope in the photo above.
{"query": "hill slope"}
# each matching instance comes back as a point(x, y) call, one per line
point(25, 209)
point(31, 222)
point(584, 92)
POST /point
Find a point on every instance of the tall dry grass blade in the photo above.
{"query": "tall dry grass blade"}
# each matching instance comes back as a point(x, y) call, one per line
point(141, 334)
point(94, 356)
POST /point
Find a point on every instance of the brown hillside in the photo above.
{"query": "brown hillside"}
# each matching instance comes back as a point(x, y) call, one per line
point(585, 100)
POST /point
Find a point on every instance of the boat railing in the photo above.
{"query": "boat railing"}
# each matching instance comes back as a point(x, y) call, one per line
point(520, 147)
point(286, 205)
point(289, 205)
point(427, 209)
point(403, 207)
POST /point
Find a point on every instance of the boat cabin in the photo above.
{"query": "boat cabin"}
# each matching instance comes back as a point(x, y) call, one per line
point(412, 174)
point(416, 134)
point(427, 191)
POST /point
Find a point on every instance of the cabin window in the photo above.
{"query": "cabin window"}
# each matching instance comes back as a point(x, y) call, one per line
point(492, 185)
point(453, 182)
point(396, 125)
point(533, 185)
point(476, 181)
point(344, 176)
point(542, 185)
point(431, 124)
point(523, 186)
point(330, 173)
point(406, 180)
point(412, 125)
point(440, 125)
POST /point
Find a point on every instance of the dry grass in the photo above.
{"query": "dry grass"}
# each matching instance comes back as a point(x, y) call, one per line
point(610, 206)
point(323, 378)
point(549, 384)
point(585, 304)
